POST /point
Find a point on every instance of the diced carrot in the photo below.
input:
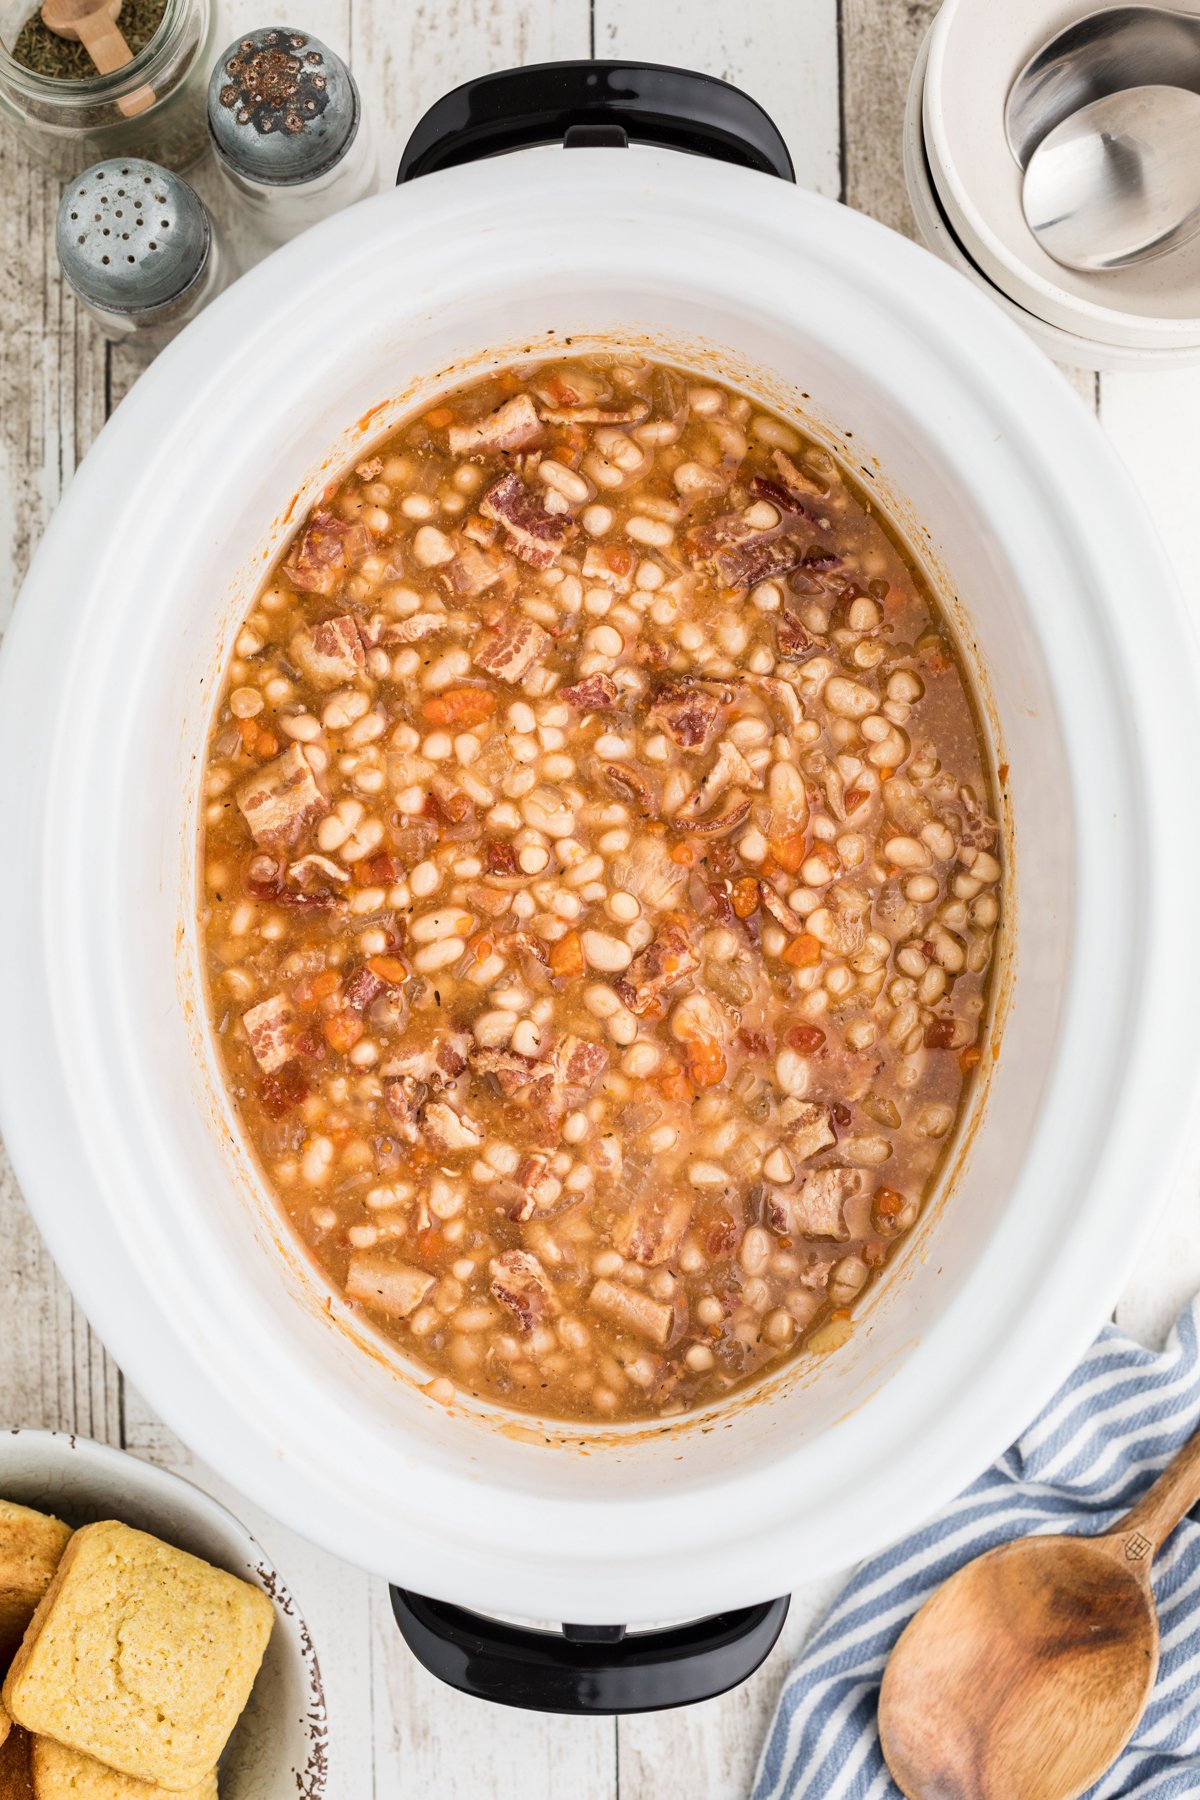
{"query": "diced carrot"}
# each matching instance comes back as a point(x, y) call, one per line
point(968, 1058)
point(683, 854)
point(675, 1085)
point(343, 1031)
point(804, 951)
point(619, 560)
point(310, 990)
point(460, 706)
point(854, 798)
point(744, 896)
point(482, 946)
point(248, 732)
point(268, 744)
point(388, 968)
point(706, 1062)
point(566, 954)
point(439, 417)
point(789, 851)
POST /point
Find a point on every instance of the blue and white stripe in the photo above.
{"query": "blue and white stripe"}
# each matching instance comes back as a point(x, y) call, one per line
point(1081, 1464)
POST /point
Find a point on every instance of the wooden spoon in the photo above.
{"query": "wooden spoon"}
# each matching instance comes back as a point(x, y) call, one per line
point(94, 23)
point(1024, 1676)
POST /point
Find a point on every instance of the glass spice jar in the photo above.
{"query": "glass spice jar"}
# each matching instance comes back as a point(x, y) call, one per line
point(70, 123)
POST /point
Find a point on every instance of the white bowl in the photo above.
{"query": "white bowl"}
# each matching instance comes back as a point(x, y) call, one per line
point(279, 1748)
point(976, 49)
point(110, 1092)
point(937, 234)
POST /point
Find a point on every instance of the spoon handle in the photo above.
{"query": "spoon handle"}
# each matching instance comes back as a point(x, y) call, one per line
point(1159, 1511)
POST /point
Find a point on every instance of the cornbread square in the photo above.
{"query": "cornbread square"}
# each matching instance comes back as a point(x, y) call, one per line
point(30, 1546)
point(140, 1656)
point(16, 1782)
point(62, 1774)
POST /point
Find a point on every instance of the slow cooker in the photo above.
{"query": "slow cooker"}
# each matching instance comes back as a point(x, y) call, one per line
point(605, 225)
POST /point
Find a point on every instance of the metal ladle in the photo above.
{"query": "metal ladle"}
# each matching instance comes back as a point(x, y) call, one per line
point(1104, 53)
point(1119, 180)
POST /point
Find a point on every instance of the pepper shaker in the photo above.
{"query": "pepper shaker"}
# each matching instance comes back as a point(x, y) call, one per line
point(137, 246)
point(285, 119)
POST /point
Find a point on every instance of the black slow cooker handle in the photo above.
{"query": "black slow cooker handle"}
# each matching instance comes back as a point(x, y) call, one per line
point(592, 1669)
point(582, 104)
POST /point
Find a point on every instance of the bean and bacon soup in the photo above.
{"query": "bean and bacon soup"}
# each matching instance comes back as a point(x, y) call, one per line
point(600, 885)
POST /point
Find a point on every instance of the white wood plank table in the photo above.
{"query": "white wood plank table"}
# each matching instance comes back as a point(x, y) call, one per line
point(833, 73)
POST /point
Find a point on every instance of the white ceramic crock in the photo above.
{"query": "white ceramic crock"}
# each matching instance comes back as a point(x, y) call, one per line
point(109, 1092)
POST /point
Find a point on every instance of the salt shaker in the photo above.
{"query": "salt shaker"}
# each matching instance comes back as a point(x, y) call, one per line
point(285, 120)
point(137, 246)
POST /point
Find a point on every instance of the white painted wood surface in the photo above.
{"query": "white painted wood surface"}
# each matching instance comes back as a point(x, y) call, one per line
point(834, 77)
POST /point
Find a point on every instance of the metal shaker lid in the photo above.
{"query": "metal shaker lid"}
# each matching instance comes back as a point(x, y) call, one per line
point(130, 235)
point(282, 106)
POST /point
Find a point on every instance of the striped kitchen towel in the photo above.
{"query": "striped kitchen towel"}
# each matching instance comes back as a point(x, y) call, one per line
point(1089, 1456)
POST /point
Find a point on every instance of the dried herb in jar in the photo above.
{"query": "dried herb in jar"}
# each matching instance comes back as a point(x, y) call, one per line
point(64, 59)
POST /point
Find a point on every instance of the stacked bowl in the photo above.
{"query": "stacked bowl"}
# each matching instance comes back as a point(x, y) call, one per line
point(964, 185)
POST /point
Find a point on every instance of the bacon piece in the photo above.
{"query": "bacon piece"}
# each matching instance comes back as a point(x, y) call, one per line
point(446, 1129)
point(438, 1065)
point(279, 800)
point(736, 808)
point(509, 650)
point(652, 1230)
point(269, 1029)
point(526, 1079)
point(580, 1061)
point(595, 693)
point(808, 1128)
point(402, 1095)
point(473, 572)
point(658, 967)
point(540, 1192)
point(687, 714)
point(591, 414)
point(761, 559)
point(520, 1283)
point(774, 904)
point(281, 1093)
point(394, 1288)
point(329, 653)
point(533, 534)
point(629, 786)
point(512, 426)
point(817, 1206)
point(633, 1310)
point(414, 629)
point(787, 503)
point(799, 483)
point(363, 987)
point(314, 874)
point(328, 544)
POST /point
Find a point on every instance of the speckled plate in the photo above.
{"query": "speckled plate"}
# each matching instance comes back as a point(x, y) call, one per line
point(279, 1750)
